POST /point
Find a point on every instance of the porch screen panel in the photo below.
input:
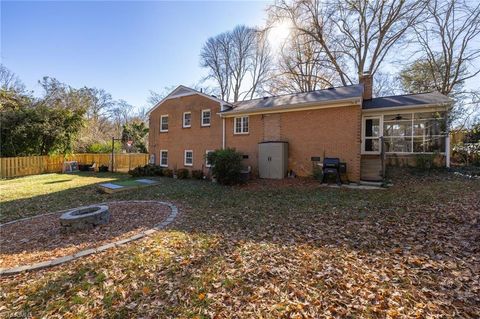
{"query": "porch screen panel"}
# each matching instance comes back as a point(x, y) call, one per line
point(397, 130)
point(415, 132)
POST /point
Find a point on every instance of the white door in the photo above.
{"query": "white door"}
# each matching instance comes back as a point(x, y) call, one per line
point(371, 132)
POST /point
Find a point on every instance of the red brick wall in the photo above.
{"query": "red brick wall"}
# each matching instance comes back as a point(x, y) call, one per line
point(331, 132)
point(178, 139)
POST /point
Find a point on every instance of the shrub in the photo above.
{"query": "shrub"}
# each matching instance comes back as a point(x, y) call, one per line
point(136, 172)
point(425, 162)
point(168, 172)
point(158, 171)
point(147, 170)
point(226, 166)
point(467, 153)
point(317, 172)
point(197, 174)
point(103, 168)
point(183, 173)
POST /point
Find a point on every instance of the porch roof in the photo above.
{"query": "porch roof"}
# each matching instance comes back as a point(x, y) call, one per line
point(408, 100)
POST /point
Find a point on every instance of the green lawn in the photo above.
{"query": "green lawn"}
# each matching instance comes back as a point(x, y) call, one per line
point(267, 249)
point(39, 194)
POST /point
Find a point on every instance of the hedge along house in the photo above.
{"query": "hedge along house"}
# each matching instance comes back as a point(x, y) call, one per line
point(286, 132)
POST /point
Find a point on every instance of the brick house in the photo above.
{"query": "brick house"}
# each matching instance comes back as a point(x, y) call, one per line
point(344, 122)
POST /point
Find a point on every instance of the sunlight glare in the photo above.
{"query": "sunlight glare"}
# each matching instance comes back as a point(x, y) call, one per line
point(278, 33)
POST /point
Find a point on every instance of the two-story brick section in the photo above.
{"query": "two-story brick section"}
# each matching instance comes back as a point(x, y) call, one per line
point(342, 122)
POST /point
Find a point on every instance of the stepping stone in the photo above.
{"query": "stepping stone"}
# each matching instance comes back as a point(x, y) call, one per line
point(111, 186)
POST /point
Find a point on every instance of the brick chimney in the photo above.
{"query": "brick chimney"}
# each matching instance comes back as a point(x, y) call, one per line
point(367, 81)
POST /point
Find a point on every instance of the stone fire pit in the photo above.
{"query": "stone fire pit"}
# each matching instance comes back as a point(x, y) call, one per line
point(84, 218)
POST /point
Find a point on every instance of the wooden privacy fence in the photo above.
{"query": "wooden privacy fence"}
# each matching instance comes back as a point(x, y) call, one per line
point(31, 165)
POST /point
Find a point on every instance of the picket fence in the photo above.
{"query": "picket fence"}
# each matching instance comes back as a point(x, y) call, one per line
point(32, 165)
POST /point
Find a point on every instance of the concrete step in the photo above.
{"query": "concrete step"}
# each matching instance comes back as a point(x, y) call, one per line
point(371, 183)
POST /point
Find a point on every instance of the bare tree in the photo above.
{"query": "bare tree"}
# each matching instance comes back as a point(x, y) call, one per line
point(356, 35)
point(447, 40)
point(100, 105)
point(450, 51)
point(261, 65)
point(243, 41)
point(302, 66)
point(386, 84)
point(121, 113)
point(10, 81)
point(238, 61)
point(215, 56)
point(156, 97)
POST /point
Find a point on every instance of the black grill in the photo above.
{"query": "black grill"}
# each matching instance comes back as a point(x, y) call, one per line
point(331, 162)
point(331, 166)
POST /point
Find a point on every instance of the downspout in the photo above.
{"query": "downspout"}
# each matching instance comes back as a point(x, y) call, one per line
point(223, 133)
point(447, 146)
point(447, 150)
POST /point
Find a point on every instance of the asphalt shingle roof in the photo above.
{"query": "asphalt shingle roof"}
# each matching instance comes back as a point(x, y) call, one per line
point(298, 99)
point(405, 100)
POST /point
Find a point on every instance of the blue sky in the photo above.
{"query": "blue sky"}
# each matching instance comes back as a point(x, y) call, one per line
point(126, 48)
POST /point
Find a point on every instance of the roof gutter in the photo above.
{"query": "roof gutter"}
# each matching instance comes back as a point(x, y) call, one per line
point(407, 107)
point(298, 107)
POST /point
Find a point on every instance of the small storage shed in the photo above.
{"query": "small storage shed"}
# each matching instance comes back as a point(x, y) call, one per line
point(273, 159)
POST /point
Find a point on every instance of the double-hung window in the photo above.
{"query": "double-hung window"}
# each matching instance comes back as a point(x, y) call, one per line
point(206, 117)
point(187, 119)
point(164, 123)
point(163, 158)
point(241, 125)
point(188, 161)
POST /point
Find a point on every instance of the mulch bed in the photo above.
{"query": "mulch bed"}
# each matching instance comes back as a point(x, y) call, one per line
point(41, 239)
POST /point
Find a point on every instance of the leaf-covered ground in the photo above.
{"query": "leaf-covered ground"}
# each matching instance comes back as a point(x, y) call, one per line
point(41, 239)
point(293, 250)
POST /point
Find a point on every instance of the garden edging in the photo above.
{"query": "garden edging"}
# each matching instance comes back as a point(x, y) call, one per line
point(60, 260)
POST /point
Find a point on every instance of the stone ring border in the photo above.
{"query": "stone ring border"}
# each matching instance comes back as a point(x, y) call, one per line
point(60, 260)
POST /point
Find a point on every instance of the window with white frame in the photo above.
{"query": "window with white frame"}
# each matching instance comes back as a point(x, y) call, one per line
point(371, 134)
point(187, 119)
point(241, 125)
point(188, 158)
point(164, 158)
point(164, 123)
point(206, 117)
point(207, 163)
point(415, 132)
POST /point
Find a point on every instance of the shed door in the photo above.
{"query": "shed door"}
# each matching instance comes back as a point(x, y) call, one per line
point(271, 160)
point(276, 161)
point(263, 160)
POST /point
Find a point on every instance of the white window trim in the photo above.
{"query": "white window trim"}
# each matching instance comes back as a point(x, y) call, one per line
point(185, 158)
point(206, 158)
point(364, 129)
point(382, 116)
point(163, 151)
point(183, 120)
point(161, 120)
point(201, 119)
point(241, 125)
